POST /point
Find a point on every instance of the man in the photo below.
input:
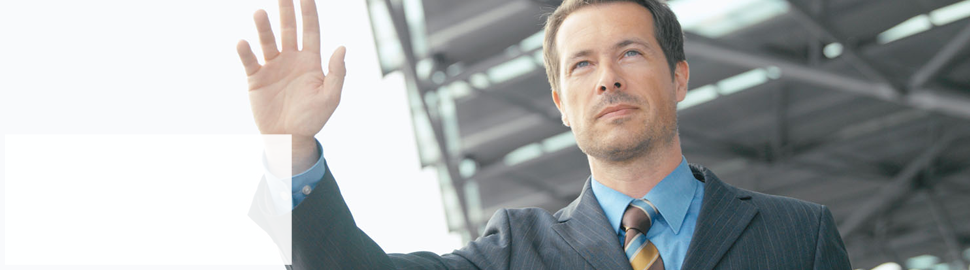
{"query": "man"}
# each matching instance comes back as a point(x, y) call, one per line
point(617, 70)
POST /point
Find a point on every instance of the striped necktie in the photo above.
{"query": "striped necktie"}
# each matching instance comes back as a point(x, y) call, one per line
point(636, 222)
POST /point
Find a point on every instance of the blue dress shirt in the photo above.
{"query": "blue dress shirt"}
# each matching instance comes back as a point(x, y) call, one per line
point(678, 197)
point(310, 177)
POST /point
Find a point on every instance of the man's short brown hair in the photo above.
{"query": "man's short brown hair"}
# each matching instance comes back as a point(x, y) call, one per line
point(666, 29)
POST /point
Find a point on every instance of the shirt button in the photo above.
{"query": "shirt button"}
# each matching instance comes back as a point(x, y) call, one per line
point(306, 190)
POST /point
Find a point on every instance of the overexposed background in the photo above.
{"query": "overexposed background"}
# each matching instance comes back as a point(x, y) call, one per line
point(170, 67)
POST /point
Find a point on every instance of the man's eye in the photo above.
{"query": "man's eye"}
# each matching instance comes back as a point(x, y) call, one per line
point(581, 64)
point(631, 53)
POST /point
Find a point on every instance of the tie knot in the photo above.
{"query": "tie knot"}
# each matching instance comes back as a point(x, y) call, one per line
point(639, 215)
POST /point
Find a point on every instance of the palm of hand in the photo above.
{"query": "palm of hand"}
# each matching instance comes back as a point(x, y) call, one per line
point(288, 95)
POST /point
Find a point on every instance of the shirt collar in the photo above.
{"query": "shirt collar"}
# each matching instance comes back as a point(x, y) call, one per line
point(672, 196)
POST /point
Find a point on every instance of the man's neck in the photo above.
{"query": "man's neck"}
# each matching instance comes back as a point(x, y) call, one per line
point(638, 176)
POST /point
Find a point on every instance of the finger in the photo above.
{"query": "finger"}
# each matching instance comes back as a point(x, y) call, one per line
point(336, 70)
point(266, 39)
point(311, 26)
point(288, 24)
point(247, 57)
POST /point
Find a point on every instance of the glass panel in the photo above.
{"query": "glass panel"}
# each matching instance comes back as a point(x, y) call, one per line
point(950, 13)
point(716, 18)
point(698, 96)
point(908, 28)
point(742, 81)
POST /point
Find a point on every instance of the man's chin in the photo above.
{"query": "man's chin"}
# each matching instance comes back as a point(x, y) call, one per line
point(616, 141)
point(619, 128)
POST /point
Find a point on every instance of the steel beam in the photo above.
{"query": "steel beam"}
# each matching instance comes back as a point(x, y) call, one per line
point(914, 240)
point(457, 182)
point(942, 100)
point(822, 28)
point(537, 185)
point(945, 226)
point(938, 100)
point(795, 110)
point(528, 122)
point(710, 141)
point(899, 122)
point(536, 116)
point(697, 46)
point(929, 181)
point(863, 130)
point(488, 63)
point(897, 189)
point(528, 106)
point(499, 167)
point(779, 142)
point(881, 240)
point(942, 58)
point(815, 48)
point(478, 22)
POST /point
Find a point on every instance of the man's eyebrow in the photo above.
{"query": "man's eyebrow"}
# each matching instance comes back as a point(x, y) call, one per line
point(628, 42)
point(579, 54)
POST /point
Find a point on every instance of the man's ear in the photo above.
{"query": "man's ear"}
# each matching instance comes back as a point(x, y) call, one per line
point(562, 110)
point(681, 78)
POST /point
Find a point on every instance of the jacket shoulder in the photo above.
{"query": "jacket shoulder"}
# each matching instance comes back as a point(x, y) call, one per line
point(531, 215)
point(769, 202)
point(785, 233)
point(770, 206)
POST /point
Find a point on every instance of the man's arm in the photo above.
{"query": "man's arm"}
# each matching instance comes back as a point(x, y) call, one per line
point(830, 252)
point(325, 236)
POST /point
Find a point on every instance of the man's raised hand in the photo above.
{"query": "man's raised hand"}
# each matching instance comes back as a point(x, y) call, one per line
point(289, 93)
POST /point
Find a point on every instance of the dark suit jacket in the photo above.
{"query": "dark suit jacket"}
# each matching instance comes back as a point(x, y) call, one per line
point(736, 229)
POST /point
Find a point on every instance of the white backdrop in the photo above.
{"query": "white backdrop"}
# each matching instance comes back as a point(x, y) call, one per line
point(170, 67)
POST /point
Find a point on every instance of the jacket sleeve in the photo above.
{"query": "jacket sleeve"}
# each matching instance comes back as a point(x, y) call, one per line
point(325, 236)
point(830, 252)
point(490, 251)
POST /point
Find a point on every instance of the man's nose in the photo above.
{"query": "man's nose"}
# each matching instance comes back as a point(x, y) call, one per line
point(609, 80)
point(616, 86)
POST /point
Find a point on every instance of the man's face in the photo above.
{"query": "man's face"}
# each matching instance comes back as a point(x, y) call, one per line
point(617, 93)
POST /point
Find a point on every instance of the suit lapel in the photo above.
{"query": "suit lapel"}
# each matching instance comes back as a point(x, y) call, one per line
point(585, 228)
point(724, 215)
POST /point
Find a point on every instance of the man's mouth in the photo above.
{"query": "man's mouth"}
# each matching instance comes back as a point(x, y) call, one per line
point(617, 110)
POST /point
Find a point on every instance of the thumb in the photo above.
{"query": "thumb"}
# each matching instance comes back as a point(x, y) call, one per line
point(337, 67)
point(334, 80)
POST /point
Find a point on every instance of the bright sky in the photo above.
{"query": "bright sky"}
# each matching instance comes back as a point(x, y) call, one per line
point(170, 67)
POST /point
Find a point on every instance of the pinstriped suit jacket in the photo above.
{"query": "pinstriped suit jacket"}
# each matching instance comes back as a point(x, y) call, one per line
point(736, 229)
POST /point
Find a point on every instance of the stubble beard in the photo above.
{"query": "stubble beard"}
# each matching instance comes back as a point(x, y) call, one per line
point(637, 144)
